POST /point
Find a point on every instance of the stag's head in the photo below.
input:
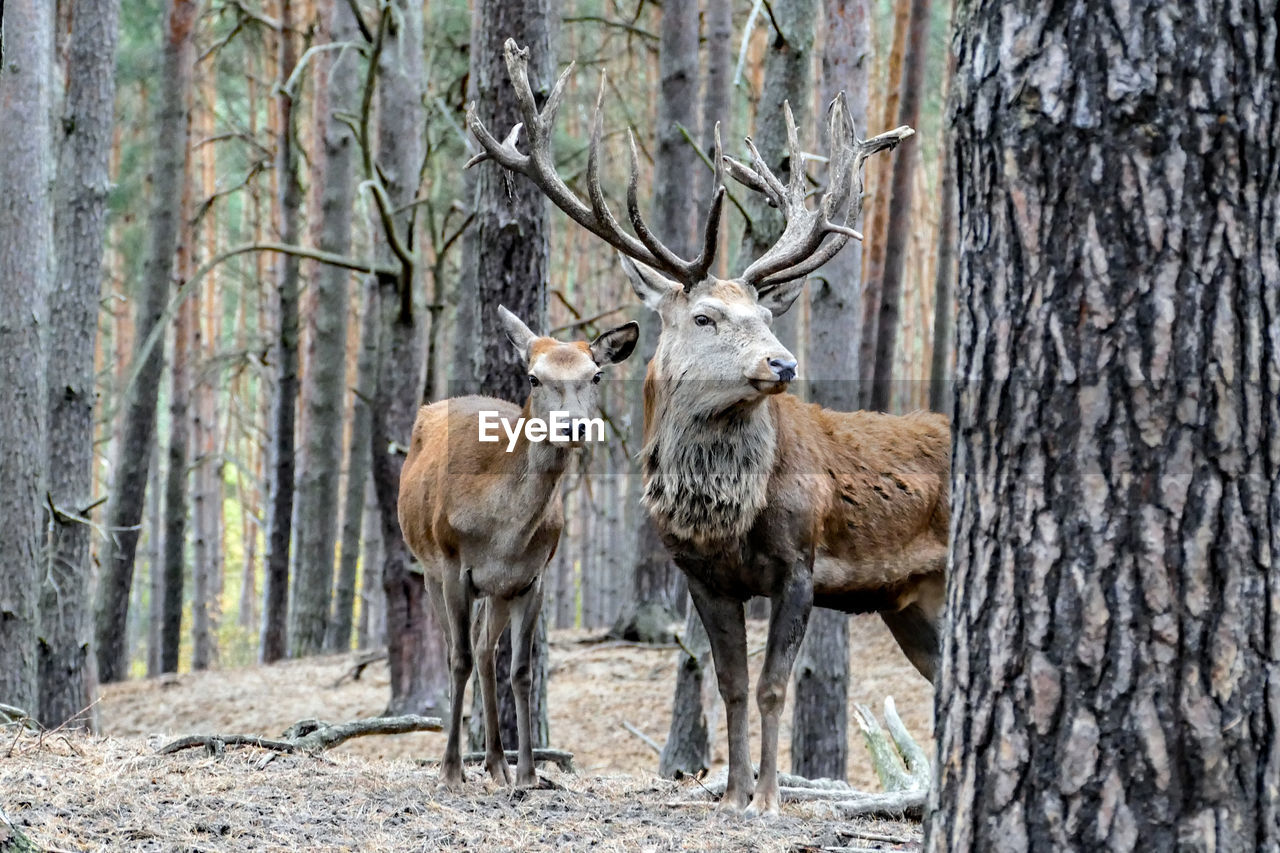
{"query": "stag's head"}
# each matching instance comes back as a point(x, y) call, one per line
point(713, 329)
point(565, 377)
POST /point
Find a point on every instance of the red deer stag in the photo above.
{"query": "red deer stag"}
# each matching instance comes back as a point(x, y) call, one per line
point(484, 516)
point(754, 491)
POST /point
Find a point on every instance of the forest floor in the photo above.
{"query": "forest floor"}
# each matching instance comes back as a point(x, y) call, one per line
point(115, 792)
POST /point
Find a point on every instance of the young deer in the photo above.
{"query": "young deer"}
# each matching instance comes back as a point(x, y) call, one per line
point(484, 520)
point(754, 491)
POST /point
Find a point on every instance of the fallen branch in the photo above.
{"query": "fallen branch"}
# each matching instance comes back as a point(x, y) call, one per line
point(648, 741)
point(11, 714)
point(358, 670)
point(900, 804)
point(558, 757)
point(310, 736)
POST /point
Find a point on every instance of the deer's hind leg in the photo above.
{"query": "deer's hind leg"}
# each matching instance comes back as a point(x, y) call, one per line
point(456, 603)
point(495, 613)
point(917, 626)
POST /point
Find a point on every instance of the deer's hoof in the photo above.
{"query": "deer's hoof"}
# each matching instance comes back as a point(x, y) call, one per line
point(451, 778)
point(498, 769)
point(763, 806)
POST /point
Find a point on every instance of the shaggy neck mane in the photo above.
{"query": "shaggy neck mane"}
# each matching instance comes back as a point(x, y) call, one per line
point(706, 473)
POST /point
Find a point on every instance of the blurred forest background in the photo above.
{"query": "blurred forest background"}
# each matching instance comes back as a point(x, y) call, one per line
point(289, 259)
point(219, 367)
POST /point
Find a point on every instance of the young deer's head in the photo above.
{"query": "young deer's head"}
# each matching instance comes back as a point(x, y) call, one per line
point(565, 377)
point(712, 329)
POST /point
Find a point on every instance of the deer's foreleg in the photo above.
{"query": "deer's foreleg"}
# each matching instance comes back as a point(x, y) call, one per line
point(457, 607)
point(727, 630)
point(787, 622)
point(524, 620)
point(495, 614)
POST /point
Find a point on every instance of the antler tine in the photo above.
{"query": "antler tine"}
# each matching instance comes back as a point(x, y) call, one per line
point(599, 206)
point(795, 190)
point(861, 151)
point(539, 166)
point(776, 192)
point(711, 234)
point(800, 249)
point(518, 70)
point(669, 260)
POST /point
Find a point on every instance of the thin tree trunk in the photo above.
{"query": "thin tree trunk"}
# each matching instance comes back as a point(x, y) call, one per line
point(1110, 670)
point(124, 511)
point(944, 297)
point(175, 494)
point(339, 638)
point(285, 401)
point(79, 223)
point(899, 232)
point(416, 649)
point(372, 630)
point(324, 385)
point(819, 730)
point(26, 270)
point(880, 173)
point(155, 571)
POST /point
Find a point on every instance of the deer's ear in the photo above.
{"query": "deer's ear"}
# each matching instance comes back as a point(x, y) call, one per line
point(780, 297)
point(518, 333)
point(616, 345)
point(649, 284)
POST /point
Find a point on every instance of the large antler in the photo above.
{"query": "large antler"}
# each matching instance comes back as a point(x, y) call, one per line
point(539, 166)
point(801, 250)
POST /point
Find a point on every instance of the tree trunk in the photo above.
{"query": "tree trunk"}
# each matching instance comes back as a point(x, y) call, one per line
point(26, 270)
point(285, 400)
point(79, 223)
point(944, 297)
point(879, 173)
point(175, 493)
point(687, 750)
point(677, 173)
point(339, 636)
point(1110, 676)
point(819, 730)
point(506, 262)
point(899, 232)
point(372, 629)
point(324, 387)
point(788, 78)
point(124, 511)
point(416, 649)
point(155, 572)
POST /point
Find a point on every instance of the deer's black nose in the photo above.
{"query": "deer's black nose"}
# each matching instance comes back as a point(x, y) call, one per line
point(784, 369)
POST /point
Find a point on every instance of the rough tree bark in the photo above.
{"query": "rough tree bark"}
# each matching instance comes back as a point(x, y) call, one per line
point(505, 262)
point(26, 268)
point(415, 644)
point(79, 223)
point(677, 171)
point(338, 637)
point(324, 386)
point(687, 749)
point(1110, 676)
point(820, 724)
point(899, 230)
point(284, 403)
point(124, 511)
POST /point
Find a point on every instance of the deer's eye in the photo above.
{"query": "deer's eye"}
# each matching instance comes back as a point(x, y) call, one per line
point(703, 320)
point(596, 379)
point(533, 381)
